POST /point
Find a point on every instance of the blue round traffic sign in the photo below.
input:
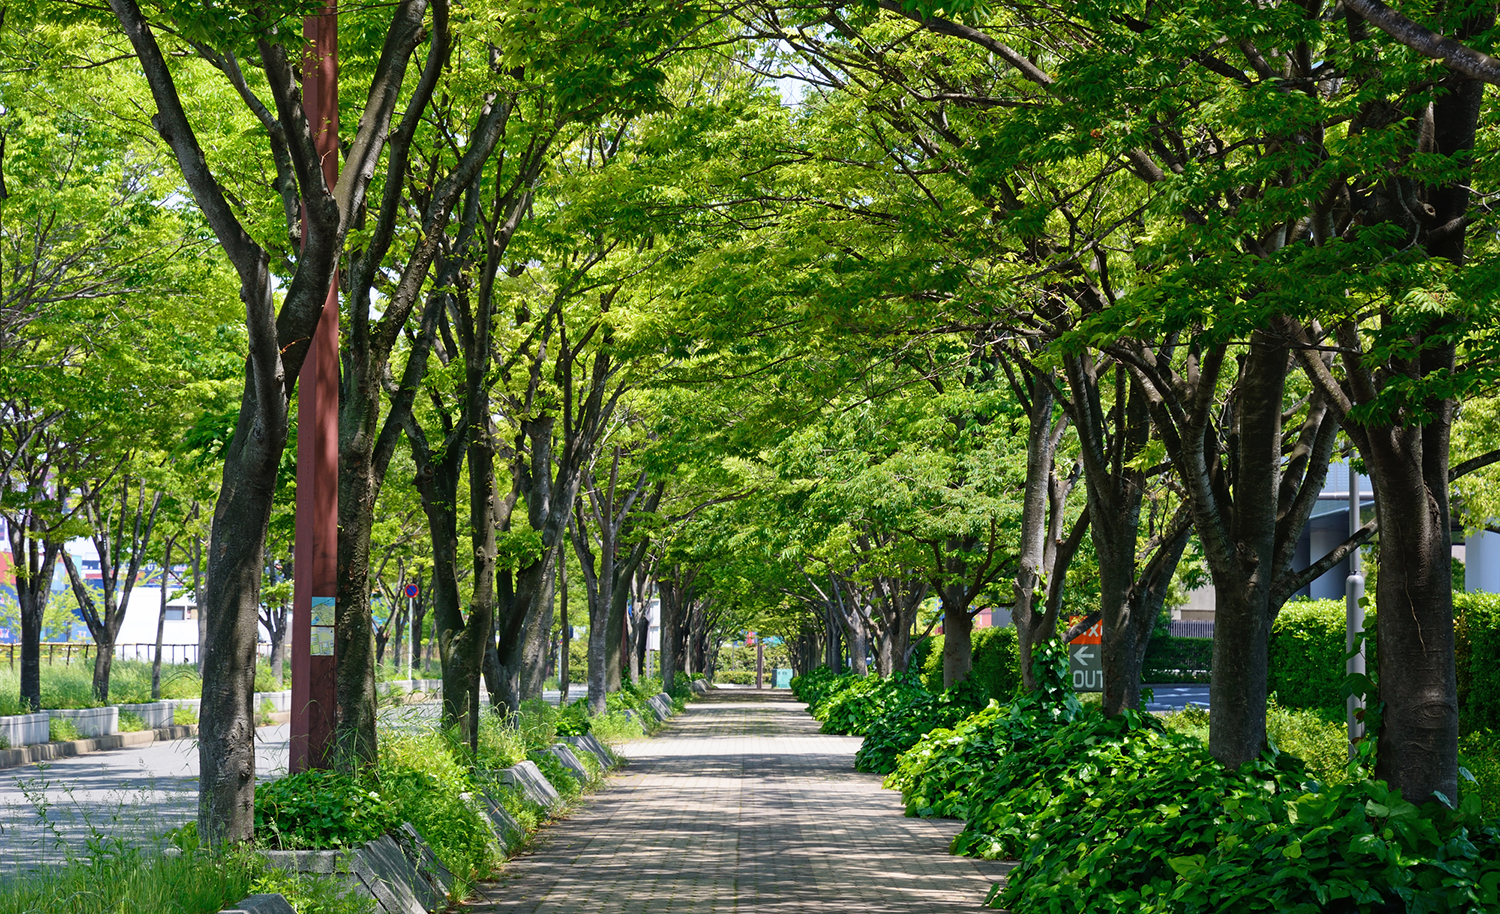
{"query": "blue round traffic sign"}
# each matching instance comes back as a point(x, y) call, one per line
point(411, 590)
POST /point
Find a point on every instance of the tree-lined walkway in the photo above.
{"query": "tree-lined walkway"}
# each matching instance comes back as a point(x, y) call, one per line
point(741, 805)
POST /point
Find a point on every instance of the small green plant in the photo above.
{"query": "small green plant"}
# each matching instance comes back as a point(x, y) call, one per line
point(10, 704)
point(313, 894)
point(557, 774)
point(617, 727)
point(537, 722)
point(263, 714)
point(130, 722)
point(4, 742)
point(184, 717)
point(62, 730)
point(319, 809)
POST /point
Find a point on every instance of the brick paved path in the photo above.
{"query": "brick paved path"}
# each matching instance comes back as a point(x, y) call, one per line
point(742, 806)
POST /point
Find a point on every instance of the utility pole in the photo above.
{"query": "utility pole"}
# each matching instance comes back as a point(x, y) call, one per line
point(1354, 615)
point(315, 582)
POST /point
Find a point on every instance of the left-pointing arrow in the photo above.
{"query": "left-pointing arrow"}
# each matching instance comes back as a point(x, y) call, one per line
point(1083, 654)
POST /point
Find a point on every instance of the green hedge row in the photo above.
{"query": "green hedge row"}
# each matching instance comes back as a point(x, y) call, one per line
point(996, 664)
point(1171, 659)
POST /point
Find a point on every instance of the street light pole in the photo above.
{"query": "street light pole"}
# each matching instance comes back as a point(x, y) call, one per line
point(1354, 615)
point(315, 582)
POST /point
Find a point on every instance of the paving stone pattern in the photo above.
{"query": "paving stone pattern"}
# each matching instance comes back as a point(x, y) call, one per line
point(742, 806)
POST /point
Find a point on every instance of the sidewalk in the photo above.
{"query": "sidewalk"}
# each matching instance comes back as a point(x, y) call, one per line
point(741, 805)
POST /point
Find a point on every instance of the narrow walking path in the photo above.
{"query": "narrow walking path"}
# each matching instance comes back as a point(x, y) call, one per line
point(742, 806)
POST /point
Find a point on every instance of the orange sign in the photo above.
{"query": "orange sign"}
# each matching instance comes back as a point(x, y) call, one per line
point(1094, 634)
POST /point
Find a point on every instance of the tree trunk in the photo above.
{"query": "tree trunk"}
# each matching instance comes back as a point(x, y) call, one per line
point(37, 561)
point(539, 641)
point(161, 619)
point(958, 631)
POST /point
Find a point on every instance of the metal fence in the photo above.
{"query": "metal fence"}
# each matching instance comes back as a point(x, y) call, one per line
point(67, 653)
point(1192, 629)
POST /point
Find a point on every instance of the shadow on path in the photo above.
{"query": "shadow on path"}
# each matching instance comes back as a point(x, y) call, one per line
point(742, 805)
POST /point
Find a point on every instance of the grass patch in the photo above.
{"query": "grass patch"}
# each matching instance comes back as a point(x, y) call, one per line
point(62, 730)
point(115, 879)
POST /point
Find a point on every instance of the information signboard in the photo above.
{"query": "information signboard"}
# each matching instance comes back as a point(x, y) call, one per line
point(1085, 658)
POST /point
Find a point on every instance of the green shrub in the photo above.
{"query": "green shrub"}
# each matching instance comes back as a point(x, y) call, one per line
point(1171, 659)
point(557, 774)
point(130, 723)
point(900, 725)
point(1115, 815)
point(265, 680)
point(1479, 753)
point(319, 809)
point(422, 779)
point(10, 702)
point(537, 723)
point(852, 709)
point(62, 730)
point(616, 727)
point(501, 745)
point(1319, 738)
point(735, 677)
point(997, 665)
point(311, 894)
point(574, 719)
point(1307, 654)
point(938, 775)
point(1477, 646)
point(120, 880)
point(184, 717)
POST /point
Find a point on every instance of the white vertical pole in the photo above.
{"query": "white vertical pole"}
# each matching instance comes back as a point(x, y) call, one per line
point(1354, 614)
point(406, 642)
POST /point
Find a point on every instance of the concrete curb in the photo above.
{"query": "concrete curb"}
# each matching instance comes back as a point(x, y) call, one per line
point(45, 752)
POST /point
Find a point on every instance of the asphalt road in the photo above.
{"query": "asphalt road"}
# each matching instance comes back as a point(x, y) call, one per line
point(1175, 697)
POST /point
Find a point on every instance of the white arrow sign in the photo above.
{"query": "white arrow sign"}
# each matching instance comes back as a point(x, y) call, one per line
point(1084, 654)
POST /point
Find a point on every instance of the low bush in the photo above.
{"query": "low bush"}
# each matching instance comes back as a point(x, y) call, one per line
point(184, 717)
point(735, 677)
point(557, 774)
point(130, 723)
point(1479, 753)
point(1118, 815)
point(852, 709)
point(116, 879)
point(62, 730)
point(1171, 659)
point(817, 685)
point(1477, 645)
point(320, 809)
point(421, 778)
point(574, 719)
point(939, 774)
point(617, 727)
point(899, 727)
point(996, 663)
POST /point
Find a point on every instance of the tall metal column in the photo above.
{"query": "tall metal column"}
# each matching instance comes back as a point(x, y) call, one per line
point(316, 572)
point(1354, 614)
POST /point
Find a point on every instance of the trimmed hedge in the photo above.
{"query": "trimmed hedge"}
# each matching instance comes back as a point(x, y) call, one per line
point(1478, 647)
point(1307, 654)
point(997, 664)
point(1171, 659)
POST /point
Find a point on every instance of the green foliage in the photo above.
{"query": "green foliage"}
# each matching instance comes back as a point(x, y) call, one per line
point(115, 879)
point(10, 703)
point(421, 778)
point(313, 894)
point(265, 681)
point(184, 717)
point(574, 719)
point(900, 725)
point(130, 723)
point(537, 723)
point(937, 776)
point(319, 809)
point(1479, 753)
point(853, 708)
point(996, 666)
point(1116, 815)
point(557, 774)
point(814, 686)
point(62, 730)
point(617, 727)
point(1477, 634)
point(1170, 659)
point(1307, 654)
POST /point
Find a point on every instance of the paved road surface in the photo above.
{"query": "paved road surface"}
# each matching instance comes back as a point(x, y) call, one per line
point(742, 806)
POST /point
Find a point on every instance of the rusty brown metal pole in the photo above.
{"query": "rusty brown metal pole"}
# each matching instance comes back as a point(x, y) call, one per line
point(316, 549)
